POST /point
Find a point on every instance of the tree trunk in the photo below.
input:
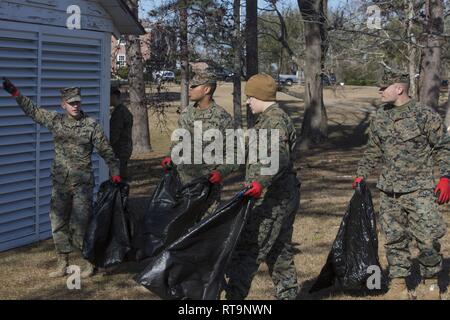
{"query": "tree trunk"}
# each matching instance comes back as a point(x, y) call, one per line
point(314, 126)
point(184, 54)
point(412, 49)
point(251, 47)
point(138, 105)
point(430, 80)
point(447, 116)
point(237, 94)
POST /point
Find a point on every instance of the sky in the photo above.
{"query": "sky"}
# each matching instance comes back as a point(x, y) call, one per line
point(146, 5)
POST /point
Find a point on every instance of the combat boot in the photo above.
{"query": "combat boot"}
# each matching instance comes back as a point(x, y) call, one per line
point(428, 289)
point(89, 270)
point(61, 266)
point(398, 290)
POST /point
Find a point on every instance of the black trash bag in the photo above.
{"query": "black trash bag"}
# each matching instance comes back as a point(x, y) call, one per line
point(107, 240)
point(194, 266)
point(173, 209)
point(355, 247)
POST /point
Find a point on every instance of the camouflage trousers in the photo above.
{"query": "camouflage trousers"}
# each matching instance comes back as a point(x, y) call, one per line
point(70, 213)
point(267, 237)
point(409, 216)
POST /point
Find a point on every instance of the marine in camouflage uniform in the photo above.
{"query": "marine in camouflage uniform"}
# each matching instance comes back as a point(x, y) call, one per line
point(121, 125)
point(212, 117)
point(267, 236)
point(71, 172)
point(407, 141)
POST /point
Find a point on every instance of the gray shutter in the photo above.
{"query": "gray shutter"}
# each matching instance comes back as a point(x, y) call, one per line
point(40, 60)
point(18, 165)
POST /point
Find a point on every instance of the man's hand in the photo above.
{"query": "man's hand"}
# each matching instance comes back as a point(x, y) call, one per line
point(357, 181)
point(255, 190)
point(443, 188)
point(116, 179)
point(10, 88)
point(166, 163)
point(215, 177)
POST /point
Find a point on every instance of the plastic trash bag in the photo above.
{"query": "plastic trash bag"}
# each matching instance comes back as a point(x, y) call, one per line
point(194, 266)
point(355, 248)
point(108, 240)
point(173, 209)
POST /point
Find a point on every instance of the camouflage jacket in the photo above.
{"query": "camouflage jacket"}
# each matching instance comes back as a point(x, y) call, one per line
point(274, 118)
point(406, 141)
point(121, 124)
point(74, 141)
point(214, 117)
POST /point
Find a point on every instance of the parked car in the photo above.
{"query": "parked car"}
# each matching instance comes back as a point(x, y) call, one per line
point(224, 74)
point(288, 79)
point(164, 76)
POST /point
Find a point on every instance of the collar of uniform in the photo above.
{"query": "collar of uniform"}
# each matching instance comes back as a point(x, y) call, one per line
point(212, 105)
point(72, 122)
point(270, 108)
point(114, 108)
point(402, 112)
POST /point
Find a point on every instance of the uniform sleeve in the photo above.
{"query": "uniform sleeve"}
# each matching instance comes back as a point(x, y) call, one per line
point(39, 115)
point(372, 156)
point(439, 140)
point(254, 172)
point(226, 169)
point(105, 150)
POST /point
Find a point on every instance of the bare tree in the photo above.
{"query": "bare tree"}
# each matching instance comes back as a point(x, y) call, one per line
point(138, 105)
point(251, 38)
point(237, 50)
point(412, 49)
point(184, 54)
point(430, 80)
point(314, 127)
point(251, 47)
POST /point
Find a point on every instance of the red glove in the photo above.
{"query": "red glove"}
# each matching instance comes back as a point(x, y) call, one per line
point(215, 177)
point(443, 187)
point(10, 88)
point(255, 191)
point(357, 181)
point(166, 163)
point(116, 179)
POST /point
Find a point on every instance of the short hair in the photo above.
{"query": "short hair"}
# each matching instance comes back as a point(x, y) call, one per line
point(116, 92)
point(405, 86)
point(213, 87)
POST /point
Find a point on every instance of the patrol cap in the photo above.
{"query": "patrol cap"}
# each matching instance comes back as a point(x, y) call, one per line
point(391, 77)
point(203, 77)
point(71, 94)
point(261, 86)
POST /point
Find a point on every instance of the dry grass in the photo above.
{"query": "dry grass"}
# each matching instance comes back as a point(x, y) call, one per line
point(326, 175)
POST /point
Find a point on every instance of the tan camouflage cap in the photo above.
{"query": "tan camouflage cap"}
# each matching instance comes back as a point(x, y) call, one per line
point(391, 77)
point(71, 94)
point(203, 77)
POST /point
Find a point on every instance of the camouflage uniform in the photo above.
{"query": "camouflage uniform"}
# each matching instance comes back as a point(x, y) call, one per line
point(71, 172)
point(214, 117)
point(267, 235)
point(121, 124)
point(408, 141)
